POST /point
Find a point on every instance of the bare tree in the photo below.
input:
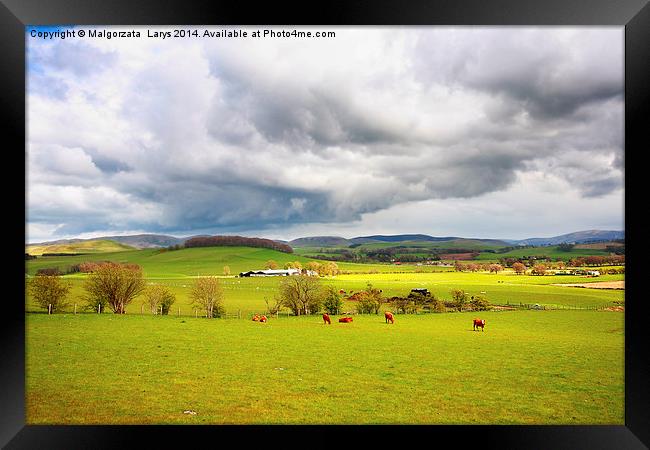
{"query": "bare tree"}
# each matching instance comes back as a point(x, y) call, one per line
point(519, 268)
point(496, 268)
point(302, 294)
point(157, 296)
point(207, 294)
point(114, 284)
point(49, 290)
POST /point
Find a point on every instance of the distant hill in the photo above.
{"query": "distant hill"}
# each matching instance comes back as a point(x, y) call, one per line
point(142, 241)
point(135, 240)
point(78, 246)
point(320, 241)
point(578, 237)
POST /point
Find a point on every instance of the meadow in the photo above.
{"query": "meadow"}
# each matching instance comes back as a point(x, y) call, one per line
point(527, 367)
point(178, 269)
point(547, 367)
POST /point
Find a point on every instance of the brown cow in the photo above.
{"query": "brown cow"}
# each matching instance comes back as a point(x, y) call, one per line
point(256, 318)
point(345, 319)
point(479, 323)
point(389, 317)
point(326, 319)
point(263, 319)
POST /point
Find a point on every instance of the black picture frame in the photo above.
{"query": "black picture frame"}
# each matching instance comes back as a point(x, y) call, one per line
point(634, 15)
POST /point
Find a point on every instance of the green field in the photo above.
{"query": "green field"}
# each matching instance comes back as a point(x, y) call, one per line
point(178, 269)
point(526, 367)
point(95, 246)
point(548, 367)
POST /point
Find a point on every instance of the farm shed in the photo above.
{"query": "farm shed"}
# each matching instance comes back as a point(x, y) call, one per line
point(270, 273)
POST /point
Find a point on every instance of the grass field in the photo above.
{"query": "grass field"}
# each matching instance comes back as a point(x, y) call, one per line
point(547, 367)
point(98, 246)
point(527, 367)
point(248, 295)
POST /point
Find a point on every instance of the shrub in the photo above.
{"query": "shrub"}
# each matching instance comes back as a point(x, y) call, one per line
point(159, 296)
point(49, 271)
point(49, 290)
point(459, 298)
point(480, 303)
point(332, 300)
point(115, 285)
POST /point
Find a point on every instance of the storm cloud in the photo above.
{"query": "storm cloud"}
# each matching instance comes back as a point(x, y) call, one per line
point(255, 134)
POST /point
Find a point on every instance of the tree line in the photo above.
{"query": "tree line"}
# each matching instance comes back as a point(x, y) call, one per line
point(237, 241)
point(113, 286)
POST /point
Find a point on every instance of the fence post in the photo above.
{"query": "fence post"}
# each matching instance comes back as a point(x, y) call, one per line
point(49, 308)
point(99, 308)
point(75, 308)
point(179, 312)
point(196, 313)
point(239, 313)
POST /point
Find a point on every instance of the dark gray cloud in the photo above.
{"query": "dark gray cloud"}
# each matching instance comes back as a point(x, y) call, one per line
point(225, 136)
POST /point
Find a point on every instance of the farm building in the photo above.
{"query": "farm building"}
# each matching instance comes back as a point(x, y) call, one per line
point(270, 273)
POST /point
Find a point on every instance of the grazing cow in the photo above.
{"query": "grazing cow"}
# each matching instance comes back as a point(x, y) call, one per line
point(326, 319)
point(256, 318)
point(389, 317)
point(263, 319)
point(345, 319)
point(479, 323)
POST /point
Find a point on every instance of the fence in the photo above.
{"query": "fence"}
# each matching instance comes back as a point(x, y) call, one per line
point(239, 314)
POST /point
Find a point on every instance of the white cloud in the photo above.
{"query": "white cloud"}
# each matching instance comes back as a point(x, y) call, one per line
point(256, 134)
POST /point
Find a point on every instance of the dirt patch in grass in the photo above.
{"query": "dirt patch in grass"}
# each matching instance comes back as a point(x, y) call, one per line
point(598, 285)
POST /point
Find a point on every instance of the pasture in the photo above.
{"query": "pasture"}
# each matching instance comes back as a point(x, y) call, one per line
point(542, 367)
point(178, 269)
point(545, 367)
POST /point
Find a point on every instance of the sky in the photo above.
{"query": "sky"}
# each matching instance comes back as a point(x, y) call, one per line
point(487, 132)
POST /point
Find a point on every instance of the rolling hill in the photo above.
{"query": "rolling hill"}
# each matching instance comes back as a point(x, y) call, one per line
point(578, 237)
point(82, 247)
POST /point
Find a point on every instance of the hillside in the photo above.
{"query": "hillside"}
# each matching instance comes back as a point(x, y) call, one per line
point(183, 262)
point(320, 241)
point(577, 237)
point(90, 246)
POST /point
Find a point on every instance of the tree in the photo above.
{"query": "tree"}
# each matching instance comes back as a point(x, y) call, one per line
point(158, 296)
point(328, 268)
point(226, 270)
point(332, 300)
point(459, 298)
point(370, 300)
point(565, 247)
point(313, 266)
point(496, 268)
point(539, 269)
point(115, 285)
point(302, 294)
point(207, 294)
point(270, 264)
point(519, 268)
point(49, 290)
point(480, 303)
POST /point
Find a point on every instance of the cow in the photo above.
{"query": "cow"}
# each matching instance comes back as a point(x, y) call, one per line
point(256, 318)
point(263, 319)
point(326, 319)
point(345, 319)
point(389, 317)
point(479, 323)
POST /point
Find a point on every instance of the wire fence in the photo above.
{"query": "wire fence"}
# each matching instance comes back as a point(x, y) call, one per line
point(248, 314)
